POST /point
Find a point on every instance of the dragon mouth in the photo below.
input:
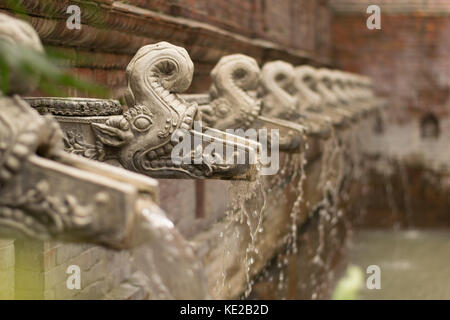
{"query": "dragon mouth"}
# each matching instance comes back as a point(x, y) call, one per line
point(202, 161)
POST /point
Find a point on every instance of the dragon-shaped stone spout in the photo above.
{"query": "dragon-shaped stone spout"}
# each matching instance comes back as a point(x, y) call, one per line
point(46, 193)
point(306, 85)
point(347, 100)
point(315, 96)
point(280, 100)
point(277, 77)
point(360, 92)
point(233, 104)
point(143, 133)
point(338, 87)
point(324, 87)
point(146, 137)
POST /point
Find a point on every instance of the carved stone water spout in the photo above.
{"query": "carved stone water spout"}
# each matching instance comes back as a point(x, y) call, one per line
point(358, 103)
point(308, 83)
point(233, 103)
point(47, 193)
point(280, 101)
point(158, 119)
point(332, 100)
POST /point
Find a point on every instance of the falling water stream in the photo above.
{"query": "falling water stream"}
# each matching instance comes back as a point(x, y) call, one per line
point(341, 165)
point(358, 172)
point(168, 262)
point(391, 199)
point(292, 168)
point(299, 171)
point(248, 202)
point(406, 196)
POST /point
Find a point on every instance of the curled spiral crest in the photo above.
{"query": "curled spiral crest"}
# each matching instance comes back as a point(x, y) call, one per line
point(169, 65)
point(243, 69)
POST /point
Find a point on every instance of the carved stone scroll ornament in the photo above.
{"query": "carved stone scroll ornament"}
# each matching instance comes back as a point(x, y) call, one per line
point(276, 79)
point(354, 82)
point(371, 101)
point(330, 98)
point(280, 100)
point(338, 87)
point(233, 101)
point(359, 88)
point(311, 101)
point(347, 100)
point(47, 193)
point(142, 138)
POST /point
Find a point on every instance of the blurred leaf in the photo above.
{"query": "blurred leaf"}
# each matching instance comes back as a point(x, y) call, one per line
point(32, 64)
point(350, 285)
point(17, 7)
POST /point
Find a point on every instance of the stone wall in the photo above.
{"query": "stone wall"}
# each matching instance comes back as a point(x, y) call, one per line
point(407, 58)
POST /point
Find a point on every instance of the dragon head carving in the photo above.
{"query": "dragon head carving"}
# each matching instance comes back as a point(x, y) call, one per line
point(142, 138)
point(306, 84)
point(155, 75)
point(325, 87)
point(233, 93)
point(277, 79)
point(338, 86)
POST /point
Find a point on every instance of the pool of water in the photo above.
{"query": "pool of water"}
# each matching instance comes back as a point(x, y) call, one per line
point(414, 264)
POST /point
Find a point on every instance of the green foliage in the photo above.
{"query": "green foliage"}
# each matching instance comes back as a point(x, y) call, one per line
point(30, 64)
point(350, 285)
point(15, 6)
point(35, 65)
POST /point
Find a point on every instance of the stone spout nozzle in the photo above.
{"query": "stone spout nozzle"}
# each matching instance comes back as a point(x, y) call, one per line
point(73, 199)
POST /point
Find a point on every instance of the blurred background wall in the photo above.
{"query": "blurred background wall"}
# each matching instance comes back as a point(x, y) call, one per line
point(408, 58)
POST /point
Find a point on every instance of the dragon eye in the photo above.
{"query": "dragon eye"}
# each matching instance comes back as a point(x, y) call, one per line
point(223, 110)
point(142, 123)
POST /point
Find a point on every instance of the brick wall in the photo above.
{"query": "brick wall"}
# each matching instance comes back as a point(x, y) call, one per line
point(292, 23)
point(112, 31)
point(40, 271)
point(407, 58)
